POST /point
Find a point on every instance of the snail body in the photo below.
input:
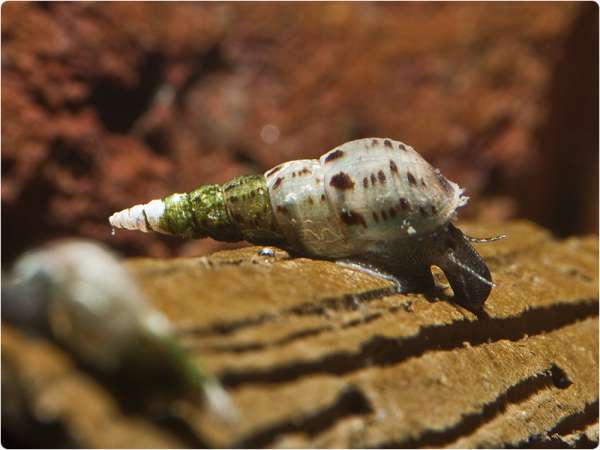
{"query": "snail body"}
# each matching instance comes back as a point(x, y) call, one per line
point(375, 202)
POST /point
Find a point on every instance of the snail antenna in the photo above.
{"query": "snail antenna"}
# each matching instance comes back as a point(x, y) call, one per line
point(485, 240)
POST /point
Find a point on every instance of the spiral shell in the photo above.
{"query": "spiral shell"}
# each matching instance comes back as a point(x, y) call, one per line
point(358, 194)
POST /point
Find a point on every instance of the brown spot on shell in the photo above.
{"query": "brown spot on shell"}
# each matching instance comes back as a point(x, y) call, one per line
point(304, 171)
point(387, 143)
point(233, 199)
point(392, 212)
point(381, 176)
point(375, 217)
point(411, 178)
point(282, 209)
point(350, 217)
point(273, 171)
point(423, 183)
point(384, 215)
point(334, 155)
point(374, 142)
point(433, 209)
point(277, 182)
point(423, 211)
point(393, 167)
point(341, 181)
point(373, 179)
point(322, 197)
point(293, 174)
point(404, 204)
point(365, 182)
point(310, 201)
point(402, 147)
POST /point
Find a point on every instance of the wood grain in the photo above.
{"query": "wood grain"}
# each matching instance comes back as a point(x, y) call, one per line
point(316, 355)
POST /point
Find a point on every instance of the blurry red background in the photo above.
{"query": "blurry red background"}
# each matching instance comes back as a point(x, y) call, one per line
point(105, 105)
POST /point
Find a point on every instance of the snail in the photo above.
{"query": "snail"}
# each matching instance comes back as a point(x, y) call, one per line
point(77, 293)
point(373, 203)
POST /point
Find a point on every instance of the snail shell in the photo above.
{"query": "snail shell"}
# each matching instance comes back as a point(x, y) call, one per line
point(374, 202)
point(79, 293)
point(87, 298)
point(360, 194)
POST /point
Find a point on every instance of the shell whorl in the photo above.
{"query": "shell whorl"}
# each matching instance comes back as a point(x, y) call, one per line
point(237, 210)
point(142, 217)
point(358, 196)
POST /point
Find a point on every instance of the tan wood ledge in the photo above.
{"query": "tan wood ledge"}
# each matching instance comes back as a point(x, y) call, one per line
point(316, 355)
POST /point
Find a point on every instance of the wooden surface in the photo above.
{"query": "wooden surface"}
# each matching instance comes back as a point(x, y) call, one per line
point(316, 355)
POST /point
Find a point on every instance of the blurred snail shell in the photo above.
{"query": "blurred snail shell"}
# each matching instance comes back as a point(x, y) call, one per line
point(85, 297)
point(374, 202)
point(81, 295)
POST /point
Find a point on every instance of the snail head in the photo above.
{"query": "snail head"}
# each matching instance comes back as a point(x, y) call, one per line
point(464, 268)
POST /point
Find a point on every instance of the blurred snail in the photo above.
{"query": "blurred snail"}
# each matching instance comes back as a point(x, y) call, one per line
point(77, 292)
point(373, 203)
